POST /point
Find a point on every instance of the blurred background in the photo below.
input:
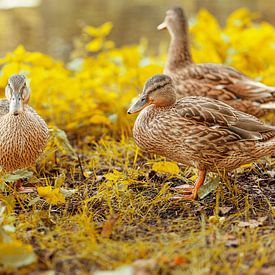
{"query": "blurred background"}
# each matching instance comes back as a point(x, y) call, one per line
point(50, 26)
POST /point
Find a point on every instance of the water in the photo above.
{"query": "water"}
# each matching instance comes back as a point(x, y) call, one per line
point(50, 25)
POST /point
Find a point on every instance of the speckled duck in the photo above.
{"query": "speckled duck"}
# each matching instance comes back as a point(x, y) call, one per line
point(197, 131)
point(23, 133)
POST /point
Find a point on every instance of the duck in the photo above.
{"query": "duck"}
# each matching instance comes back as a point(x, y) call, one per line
point(201, 132)
point(23, 133)
point(211, 80)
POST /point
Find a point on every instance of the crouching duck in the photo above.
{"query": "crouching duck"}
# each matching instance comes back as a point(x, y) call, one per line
point(197, 131)
point(23, 133)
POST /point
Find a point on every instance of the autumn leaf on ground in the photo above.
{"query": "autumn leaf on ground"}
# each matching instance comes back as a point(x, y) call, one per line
point(166, 167)
point(208, 187)
point(51, 195)
point(252, 223)
point(16, 254)
point(116, 175)
point(17, 175)
point(60, 139)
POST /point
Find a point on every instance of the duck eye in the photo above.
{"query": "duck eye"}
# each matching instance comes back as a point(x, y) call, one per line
point(143, 99)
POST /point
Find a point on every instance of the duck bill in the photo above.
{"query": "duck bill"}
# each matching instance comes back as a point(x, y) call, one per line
point(162, 26)
point(137, 106)
point(16, 104)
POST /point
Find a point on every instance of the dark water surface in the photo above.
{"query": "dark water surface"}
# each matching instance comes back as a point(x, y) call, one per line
point(50, 25)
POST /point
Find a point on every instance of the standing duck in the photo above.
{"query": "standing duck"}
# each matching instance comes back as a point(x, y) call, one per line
point(23, 133)
point(197, 131)
point(211, 80)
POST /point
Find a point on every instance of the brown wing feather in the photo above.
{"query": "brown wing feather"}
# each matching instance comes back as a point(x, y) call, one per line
point(224, 83)
point(214, 113)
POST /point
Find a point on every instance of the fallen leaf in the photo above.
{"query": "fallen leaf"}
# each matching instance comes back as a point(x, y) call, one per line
point(51, 195)
point(67, 192)
point(225, 210)
point(252, 223)
point(116, 175)
point(60, 139)
point(208, 187)
point(16, 254)
point(166, 167)
point(17, 175)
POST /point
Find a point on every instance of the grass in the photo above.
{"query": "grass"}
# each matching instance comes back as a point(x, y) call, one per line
point(130, 219)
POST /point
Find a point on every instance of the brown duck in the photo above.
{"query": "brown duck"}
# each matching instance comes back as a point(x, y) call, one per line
point(211, 80)
point(197, 131)
point(23, 133)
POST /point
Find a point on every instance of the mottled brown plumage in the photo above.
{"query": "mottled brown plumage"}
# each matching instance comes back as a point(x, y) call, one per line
point(211, 80)
point(23, 133)
point(198, 131)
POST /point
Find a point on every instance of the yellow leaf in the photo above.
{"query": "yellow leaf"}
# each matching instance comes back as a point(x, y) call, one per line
point(100, 31)
point(95, 45)
point(109, 45)
point(51, 195)
point(16, 254)
point(166, 167)
point(99, 119)
point(116, 175)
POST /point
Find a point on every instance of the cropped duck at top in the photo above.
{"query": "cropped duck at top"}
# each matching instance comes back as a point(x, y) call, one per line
point(211, 80)
point(23, 133)
point(197, 131)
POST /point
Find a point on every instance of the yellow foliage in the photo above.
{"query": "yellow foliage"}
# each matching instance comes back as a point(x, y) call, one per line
point(16, 254)
point(101, 31)
point(166, 167)
point(242, 44)
point(116, 175)
point(51, 195)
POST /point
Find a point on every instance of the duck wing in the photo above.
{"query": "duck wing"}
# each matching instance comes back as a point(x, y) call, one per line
point(224, 79)
point(218, 115)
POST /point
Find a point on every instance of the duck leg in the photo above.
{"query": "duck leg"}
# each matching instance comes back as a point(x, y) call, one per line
point(190, 192)
point(21, 189)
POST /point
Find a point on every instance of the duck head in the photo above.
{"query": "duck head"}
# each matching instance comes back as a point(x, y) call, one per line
point(18, 93)
point(175, 21)
point(158, 90)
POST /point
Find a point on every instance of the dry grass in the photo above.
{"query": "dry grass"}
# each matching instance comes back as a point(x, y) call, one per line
point(107, 224)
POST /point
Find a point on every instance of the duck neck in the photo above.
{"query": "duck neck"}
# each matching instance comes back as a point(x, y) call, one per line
point(179, 52)
point(166, 100)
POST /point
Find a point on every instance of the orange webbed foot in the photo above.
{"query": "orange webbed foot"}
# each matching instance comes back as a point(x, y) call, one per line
point(189, 192)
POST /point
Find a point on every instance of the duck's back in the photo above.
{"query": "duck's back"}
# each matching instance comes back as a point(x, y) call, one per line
point(223, 83)
point(22, 138)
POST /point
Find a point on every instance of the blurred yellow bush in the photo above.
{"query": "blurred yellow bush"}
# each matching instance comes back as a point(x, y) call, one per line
point(98, 84)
